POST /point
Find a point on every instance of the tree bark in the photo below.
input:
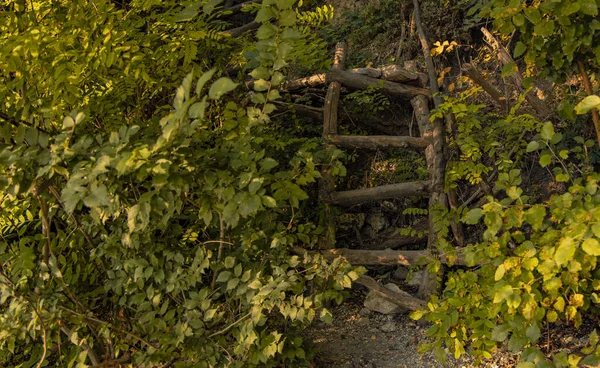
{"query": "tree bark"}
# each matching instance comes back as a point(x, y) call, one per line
point(359, 196)
point(377, 141)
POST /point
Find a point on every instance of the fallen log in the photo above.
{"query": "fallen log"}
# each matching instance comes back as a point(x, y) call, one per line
point(504, 57)
point(475, 75)
point(377, 141)
point(402, 299)
point(359, 196)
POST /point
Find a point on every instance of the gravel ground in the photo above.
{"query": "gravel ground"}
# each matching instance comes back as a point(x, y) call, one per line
point(358, 338)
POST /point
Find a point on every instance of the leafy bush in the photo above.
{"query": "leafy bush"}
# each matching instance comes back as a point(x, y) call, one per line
point(138, 230)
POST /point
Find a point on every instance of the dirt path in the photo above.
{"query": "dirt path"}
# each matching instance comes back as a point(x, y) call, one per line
point(358, 338)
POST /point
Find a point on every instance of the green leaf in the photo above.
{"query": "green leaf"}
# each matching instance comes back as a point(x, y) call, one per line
point(503, 293)
point(267, 164)
point(587, 104)
point(565, 251)
point(545, 160)
point(326, 316)
point(499, 272)
point(500, 333)
point(547, 131)
point(535, 216)
point(533, 332)
point(591, 247)
point(250, 205)
point(261, 85)
point(223, 276)
point(473, 216)
point(196, 111)
point(520, 48)
point(588, 7)
point(203, 79)
point(98, 197)
point(533, 146)
point(220, 87)
point(260, 73)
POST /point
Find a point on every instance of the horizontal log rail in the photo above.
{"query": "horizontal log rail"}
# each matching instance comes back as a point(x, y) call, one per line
point(385, 257)
point(402, 299)
point(358, 81)
point(377, 141)
point(392, 73)
point(362, 78)
point(360, 196)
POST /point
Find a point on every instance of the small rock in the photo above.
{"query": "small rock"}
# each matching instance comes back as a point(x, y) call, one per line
point(401, 273)
point(416, 278)
point(389, 326)
point(377, 304)
point(363, 321)
point(364, 312)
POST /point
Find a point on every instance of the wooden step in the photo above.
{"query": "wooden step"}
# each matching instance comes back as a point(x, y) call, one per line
point(358, 81)
point(359, 196)
point(377, 141)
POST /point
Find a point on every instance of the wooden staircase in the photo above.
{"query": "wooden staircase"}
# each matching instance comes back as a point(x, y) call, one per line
point(430, 143)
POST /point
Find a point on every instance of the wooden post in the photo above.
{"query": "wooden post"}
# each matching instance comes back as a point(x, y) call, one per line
point(330, 118)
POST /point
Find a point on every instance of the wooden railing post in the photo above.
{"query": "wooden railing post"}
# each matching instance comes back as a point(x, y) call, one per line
point(330, 119)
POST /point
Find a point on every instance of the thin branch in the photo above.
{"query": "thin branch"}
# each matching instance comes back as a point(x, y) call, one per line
point(90, 353)
point(112, 327)
point(230, 326)
point(73, 218)
point(45, 225)
point(18, 123)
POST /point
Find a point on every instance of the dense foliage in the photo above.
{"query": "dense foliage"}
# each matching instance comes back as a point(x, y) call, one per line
point(150, 208)
point(534, 262)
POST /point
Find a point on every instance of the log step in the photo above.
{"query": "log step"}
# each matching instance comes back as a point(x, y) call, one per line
point(377, 141)
point(360, 196)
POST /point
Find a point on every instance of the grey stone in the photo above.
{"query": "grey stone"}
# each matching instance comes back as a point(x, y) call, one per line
point(376, 303)
point(363, 321)
point(389, 326)
point(401, 273)
point(364, 312)
point(415, 278)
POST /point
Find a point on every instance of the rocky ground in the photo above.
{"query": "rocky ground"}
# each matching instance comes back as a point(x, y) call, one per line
point(362, 338)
